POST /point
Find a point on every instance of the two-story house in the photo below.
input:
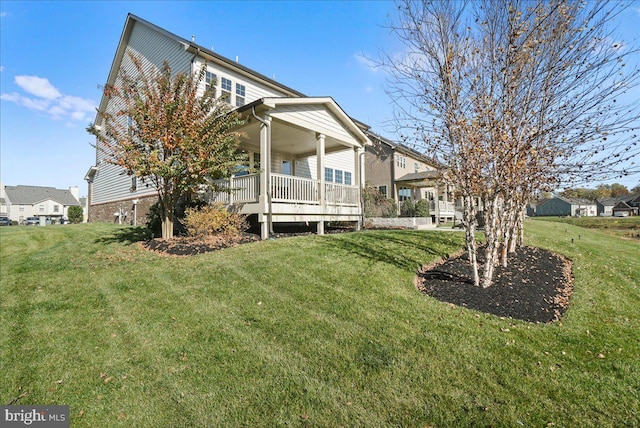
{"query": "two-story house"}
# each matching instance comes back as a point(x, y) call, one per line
point(401, 173)
point(629, 204)
point(21, 202)
point(307, 152)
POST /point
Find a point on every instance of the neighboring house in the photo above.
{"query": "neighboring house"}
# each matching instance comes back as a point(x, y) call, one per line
point(605, 206)
point(561, 206)
point(627, 203)
point(400, 173)
point(35, 201)
point(532, 206)
point(306, 150)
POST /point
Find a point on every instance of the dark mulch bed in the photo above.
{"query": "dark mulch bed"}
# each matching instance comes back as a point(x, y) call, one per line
point(187, 246)
point(190, 246)
point(535, 287)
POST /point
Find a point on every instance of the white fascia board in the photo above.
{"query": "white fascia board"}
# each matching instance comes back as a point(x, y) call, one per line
point(331, 105)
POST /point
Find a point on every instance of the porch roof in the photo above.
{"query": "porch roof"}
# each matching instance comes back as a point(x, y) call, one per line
point(296, 121)
point(423, 178)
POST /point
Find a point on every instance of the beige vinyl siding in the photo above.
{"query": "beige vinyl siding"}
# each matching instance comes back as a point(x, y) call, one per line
point(157, 48)
point(110, 182)
point(343, 160)
point(409, 165)
point(316, 118)
point(253, 90)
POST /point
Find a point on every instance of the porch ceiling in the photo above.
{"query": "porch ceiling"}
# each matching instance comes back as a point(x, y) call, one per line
point(288, 138)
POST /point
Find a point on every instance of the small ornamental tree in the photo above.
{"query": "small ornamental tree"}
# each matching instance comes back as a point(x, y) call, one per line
point(164, 130)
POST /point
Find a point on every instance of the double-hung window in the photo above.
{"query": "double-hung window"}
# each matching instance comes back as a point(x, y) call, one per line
point(338, 176)
point(240, 93)
point(347, 178)
point(226, 90)
point(328, 175)
point(210, 82)
point(402, 162)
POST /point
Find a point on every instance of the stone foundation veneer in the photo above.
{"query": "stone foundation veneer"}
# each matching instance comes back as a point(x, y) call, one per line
point(406, 222)
point(106, 212)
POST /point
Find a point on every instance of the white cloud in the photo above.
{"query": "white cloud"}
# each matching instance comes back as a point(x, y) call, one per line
point(47, 99)
point(1, 68)
point(3, 14)
point(38, 86)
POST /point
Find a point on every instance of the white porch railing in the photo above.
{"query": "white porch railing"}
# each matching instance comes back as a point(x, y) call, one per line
point(284, 189)
point(287, 188)
point(444, 206)
point(242, 189)
point(245, 188)
point(340, 194)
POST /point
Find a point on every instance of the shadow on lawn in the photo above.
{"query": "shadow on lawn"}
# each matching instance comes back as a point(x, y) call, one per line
point(127, 235)
point(404, 249)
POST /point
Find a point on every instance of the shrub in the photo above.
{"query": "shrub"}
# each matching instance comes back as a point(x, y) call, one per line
point(154, 216)
point(407, 208)
point(377, 205)
point(422, 208)
point(75, 214)
point(214, 219)
point(154, 219)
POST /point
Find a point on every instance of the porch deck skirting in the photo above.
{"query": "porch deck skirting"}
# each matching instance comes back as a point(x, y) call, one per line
point(285, 189)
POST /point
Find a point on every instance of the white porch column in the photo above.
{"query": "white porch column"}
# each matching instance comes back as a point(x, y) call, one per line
point(265, 177)
point(320, 174)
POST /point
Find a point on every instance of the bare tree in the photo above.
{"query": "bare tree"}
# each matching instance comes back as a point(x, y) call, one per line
point(514, 97)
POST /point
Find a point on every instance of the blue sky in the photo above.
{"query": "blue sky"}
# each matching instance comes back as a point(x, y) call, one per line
point(55, 54)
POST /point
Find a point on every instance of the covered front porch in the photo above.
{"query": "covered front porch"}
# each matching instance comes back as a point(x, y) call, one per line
point(305, 164)
point(429, 185)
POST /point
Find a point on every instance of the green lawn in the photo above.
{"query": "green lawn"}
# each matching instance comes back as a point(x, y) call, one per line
point(307, 331)
point(626, 227)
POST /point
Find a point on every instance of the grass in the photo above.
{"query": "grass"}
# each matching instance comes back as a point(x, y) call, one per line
point(626, 227)
point(307, 331)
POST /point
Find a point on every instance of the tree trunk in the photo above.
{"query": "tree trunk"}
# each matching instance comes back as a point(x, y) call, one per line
point(167, 227)
point(469, 222)
point(508, 230)
point(167, 202)
point(492, 230)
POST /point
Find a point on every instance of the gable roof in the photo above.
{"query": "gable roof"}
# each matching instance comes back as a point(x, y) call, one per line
point(327, 102)
point(613, 201)
point(29, 195)
point(622, 205)
point(420, 176)
point(190, 47)
point(402, 148)
point(576, 201)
